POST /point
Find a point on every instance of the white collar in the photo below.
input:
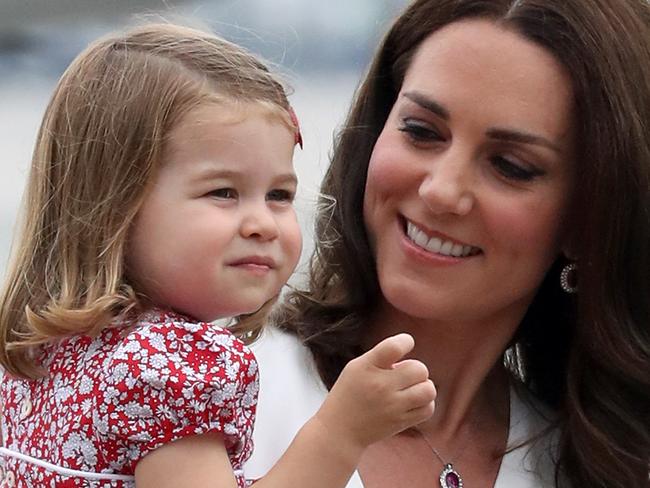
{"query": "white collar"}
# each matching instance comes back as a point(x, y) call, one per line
point(531, 465)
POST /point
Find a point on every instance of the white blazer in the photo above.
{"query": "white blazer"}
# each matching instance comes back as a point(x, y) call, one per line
point(291, 392)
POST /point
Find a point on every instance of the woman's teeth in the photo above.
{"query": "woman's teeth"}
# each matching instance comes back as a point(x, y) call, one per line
point(437, 245)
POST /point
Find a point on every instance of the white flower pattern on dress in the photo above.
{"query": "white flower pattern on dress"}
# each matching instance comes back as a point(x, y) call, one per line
point(108, 401)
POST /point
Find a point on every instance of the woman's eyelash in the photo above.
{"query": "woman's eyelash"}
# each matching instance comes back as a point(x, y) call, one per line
point(515, 171)
point(422, 132)
point(419, 131)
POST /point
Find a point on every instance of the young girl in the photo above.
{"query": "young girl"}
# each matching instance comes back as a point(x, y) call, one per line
point(159, 200)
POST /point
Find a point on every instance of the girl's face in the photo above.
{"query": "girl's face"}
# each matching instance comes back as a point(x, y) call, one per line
point(469, 180)
point(217, 235)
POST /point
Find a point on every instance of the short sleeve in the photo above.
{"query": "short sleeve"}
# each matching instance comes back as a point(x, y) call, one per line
point(173, 379)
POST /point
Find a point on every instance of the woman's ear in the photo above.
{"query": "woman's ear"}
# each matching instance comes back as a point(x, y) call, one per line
point(568, 249)
point(568, 254)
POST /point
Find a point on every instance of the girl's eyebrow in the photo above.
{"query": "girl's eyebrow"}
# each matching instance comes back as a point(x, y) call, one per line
point(502, 134)
point(211, 173)
point(287, 178)
point(216, 173)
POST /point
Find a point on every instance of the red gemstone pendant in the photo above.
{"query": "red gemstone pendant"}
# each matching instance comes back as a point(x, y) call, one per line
point(449, 477)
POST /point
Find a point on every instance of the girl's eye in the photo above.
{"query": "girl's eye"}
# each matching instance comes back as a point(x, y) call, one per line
point(280, 196)
point(515, 171)
point(224, 193)
point(419, 131)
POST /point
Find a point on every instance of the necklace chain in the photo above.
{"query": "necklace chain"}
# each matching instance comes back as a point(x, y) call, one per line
point(449, 477)
point(435, 451)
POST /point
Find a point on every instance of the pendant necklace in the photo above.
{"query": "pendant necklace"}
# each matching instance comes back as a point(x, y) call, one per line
point(449, 477)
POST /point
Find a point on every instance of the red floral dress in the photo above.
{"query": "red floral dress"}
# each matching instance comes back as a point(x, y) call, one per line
point(108, 401)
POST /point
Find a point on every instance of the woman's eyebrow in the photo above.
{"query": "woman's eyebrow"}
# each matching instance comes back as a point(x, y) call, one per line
point(427, 104)
point(502, 134)
point(512, 135)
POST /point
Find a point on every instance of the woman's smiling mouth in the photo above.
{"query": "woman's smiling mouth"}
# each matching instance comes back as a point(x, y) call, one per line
point(438, 244)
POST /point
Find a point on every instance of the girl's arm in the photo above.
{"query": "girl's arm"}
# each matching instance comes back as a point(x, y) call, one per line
point(175, 420)
point(198, 462)
point(375, 397)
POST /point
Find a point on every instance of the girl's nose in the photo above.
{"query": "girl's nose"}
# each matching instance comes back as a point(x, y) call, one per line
point(447, 188)
point(259, 222)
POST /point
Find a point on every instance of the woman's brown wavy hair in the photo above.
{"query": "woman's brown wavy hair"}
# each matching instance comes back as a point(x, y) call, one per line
point(97, 150)
point(588, 356)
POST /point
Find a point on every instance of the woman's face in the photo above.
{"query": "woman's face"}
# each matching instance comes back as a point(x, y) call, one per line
point(470, 178)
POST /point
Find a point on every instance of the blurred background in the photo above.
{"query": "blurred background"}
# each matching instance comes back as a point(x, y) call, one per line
point(322, 49)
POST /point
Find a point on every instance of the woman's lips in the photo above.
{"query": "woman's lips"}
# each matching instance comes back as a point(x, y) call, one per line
point(436, 242)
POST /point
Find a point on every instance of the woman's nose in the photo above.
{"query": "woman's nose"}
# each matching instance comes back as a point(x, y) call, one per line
point(447, 186)
point(259, 222)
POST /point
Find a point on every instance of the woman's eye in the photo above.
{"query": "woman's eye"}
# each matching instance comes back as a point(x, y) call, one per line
point(280, 196)
point(224, 193)
point(515, 171)
point(419, 131)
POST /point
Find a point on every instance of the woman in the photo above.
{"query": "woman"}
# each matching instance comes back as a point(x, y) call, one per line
point(492, 188)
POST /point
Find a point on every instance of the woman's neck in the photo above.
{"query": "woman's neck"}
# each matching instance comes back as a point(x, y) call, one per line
point(465, 364)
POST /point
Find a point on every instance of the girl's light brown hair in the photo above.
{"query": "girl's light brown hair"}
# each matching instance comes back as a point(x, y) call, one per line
point(99, 144)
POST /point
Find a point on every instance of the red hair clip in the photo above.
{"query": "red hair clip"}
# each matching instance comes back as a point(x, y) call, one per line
point(294, 120)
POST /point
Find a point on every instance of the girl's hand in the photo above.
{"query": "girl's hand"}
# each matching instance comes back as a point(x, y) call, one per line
point(378, 395)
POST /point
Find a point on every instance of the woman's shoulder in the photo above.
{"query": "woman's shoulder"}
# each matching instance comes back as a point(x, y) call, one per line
point(290, 393)
point(528, 415)
point(532, 443)
point(284, 353)
point(287, 373)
